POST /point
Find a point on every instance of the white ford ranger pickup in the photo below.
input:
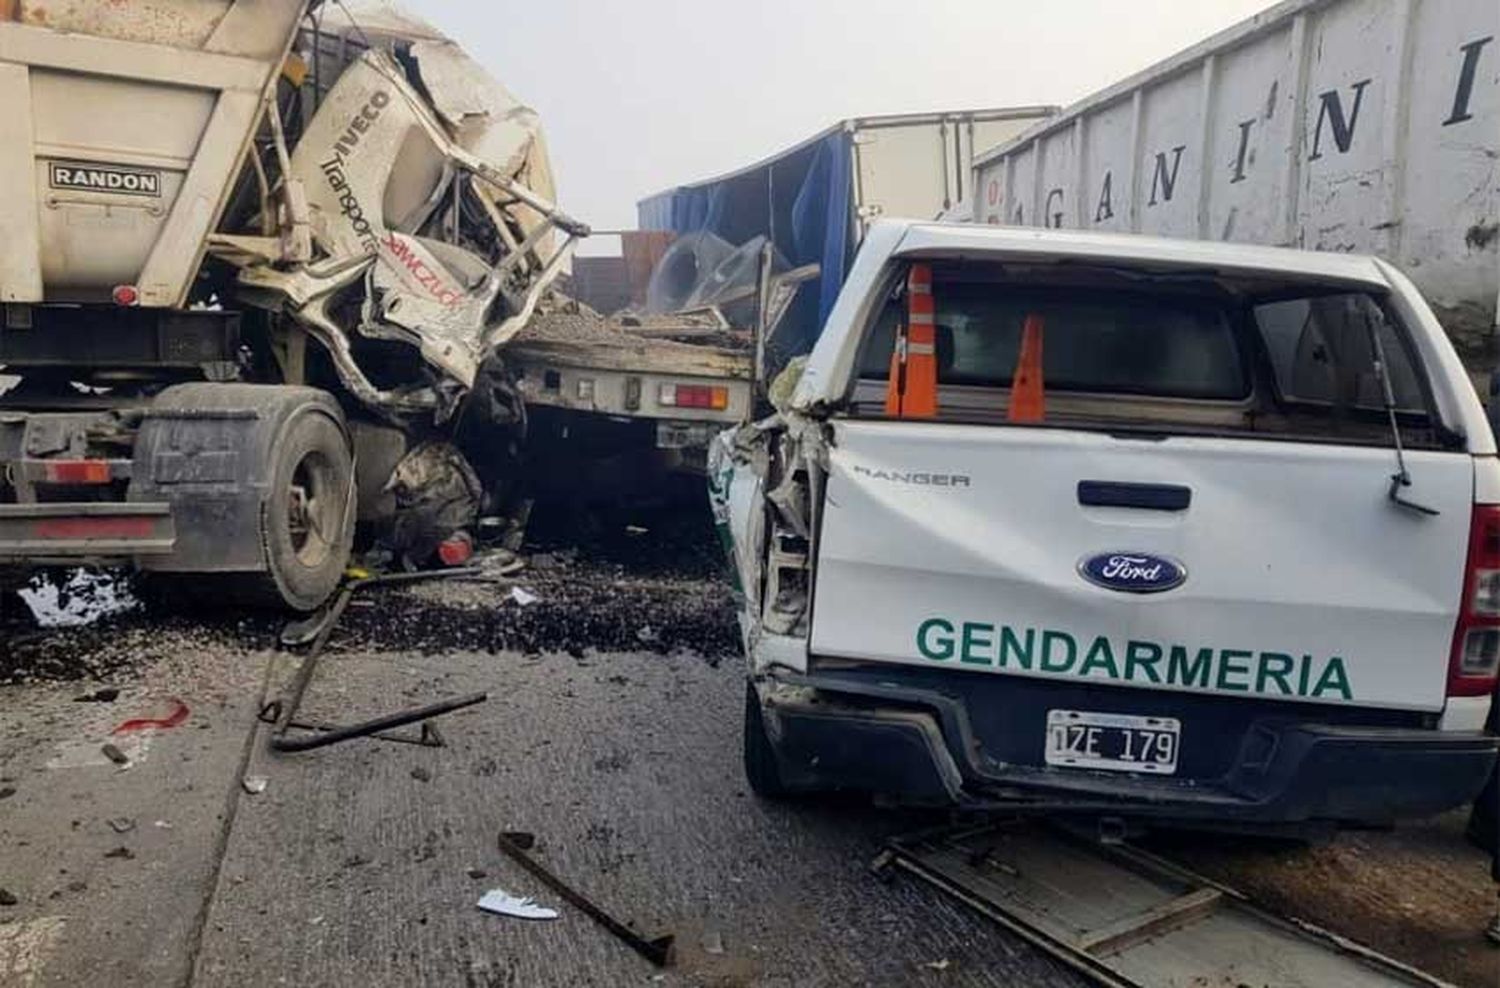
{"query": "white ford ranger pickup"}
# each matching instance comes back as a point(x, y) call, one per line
point(1124, 525)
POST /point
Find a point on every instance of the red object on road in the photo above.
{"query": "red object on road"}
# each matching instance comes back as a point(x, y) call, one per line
point(456, 549)
point(177, 716)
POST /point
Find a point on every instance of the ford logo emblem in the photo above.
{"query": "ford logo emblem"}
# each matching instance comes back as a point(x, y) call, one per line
point(1133, 572)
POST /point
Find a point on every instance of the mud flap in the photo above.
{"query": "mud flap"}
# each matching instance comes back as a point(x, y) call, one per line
point(206, 450)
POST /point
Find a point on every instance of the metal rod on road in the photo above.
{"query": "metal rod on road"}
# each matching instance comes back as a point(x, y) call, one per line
point(286, 711)
point(658, 951)
point(333, 735)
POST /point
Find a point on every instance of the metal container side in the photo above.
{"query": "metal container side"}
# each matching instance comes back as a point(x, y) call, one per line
point(1343, 125)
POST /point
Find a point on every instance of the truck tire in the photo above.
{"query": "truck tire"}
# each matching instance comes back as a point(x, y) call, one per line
point(761, 770)
point(308, 527)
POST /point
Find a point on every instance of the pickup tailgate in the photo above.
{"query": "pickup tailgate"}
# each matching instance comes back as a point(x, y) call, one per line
point(964, 546)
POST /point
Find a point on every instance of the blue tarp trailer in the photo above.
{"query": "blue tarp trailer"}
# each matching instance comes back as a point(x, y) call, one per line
point(814, 199)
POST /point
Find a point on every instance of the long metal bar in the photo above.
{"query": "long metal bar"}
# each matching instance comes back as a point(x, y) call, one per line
point(513, 844)
point(286, 711)
point(328, 736)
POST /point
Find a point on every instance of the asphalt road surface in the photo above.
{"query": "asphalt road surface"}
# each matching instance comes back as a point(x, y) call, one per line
point(360, 864)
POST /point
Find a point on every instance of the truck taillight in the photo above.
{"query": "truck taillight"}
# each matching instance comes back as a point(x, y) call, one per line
point(125, 295)
point(1475, 662)
point(76, 471)
point(693, 396)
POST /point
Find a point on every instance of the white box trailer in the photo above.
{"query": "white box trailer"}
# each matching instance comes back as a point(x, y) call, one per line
point(1346, 125)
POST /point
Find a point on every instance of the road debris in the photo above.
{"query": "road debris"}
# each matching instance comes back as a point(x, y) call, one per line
point(178, 715)
point(255, 784)
point(78, 597)
point(941, 965)
point(523, 597)
point(107, 695)
point(114, 754)
point(7, 791)
point(596, 586)
point(121, 824)
point(421, 774)
point(283, 712)
point(1127, 918)
point(506, 904)
point(8, 898)
point(515, 843)
point(123, 853)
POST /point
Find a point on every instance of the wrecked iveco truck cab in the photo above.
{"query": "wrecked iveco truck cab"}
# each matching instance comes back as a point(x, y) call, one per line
point(1121, 525)
point(259, 258)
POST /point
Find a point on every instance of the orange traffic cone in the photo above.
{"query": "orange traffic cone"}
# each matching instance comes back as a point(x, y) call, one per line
point(911, 388)
point(1028, 393)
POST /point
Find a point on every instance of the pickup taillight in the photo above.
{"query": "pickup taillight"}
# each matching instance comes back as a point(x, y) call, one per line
point(1475, 662)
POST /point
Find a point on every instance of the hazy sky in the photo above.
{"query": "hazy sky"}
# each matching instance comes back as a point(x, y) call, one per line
point(640, 95)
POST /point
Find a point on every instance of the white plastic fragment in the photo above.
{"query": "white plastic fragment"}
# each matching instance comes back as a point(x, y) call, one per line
point(255, 784)
point(523, 597)
point(505, 904)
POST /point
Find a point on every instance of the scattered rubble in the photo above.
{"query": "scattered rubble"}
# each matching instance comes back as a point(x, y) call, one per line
point(106, 695)
point(652, 580)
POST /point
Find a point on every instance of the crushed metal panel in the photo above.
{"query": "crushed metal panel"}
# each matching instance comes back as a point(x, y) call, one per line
point(485, 118)
point(488, 121)
point(402, 210)
point(345, 161)
point(1131, 920)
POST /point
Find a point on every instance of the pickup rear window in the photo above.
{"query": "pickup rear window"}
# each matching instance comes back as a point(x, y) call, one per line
point(1110, 342)
point(1194, 351)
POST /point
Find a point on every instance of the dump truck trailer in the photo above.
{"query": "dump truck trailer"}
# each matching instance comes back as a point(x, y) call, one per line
point(1366, 126)
point(262, 263)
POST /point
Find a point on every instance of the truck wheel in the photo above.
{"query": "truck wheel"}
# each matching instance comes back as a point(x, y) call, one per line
point(308, 526)
point(761, 769)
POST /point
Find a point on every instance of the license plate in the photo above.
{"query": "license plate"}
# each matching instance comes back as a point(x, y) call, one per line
point(1114, 742)
point(679, 435)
